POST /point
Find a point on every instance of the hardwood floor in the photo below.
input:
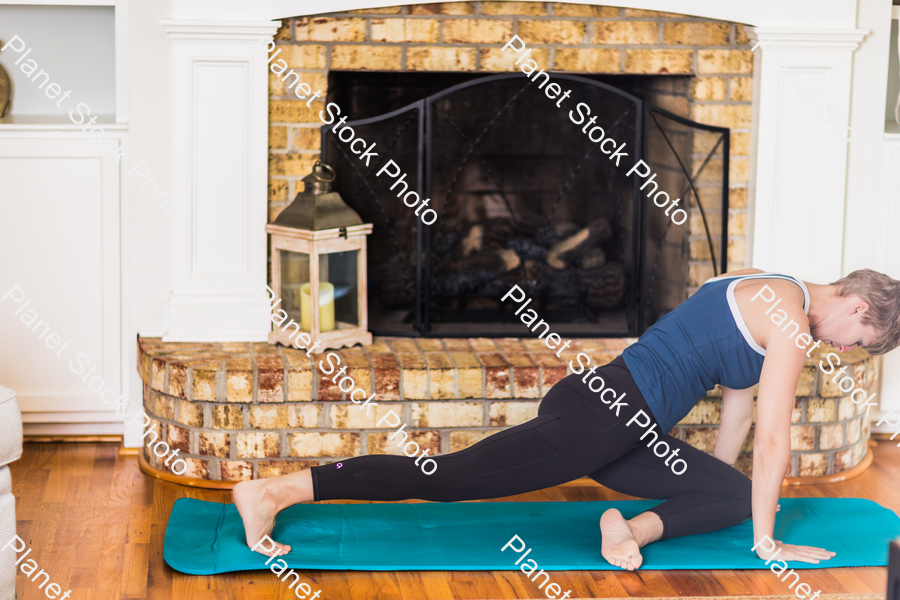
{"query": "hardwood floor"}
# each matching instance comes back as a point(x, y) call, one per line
point(96, 525)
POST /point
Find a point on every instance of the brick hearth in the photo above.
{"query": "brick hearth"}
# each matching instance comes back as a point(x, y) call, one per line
point(251, 410)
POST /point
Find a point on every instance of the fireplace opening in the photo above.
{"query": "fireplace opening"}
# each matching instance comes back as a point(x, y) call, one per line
point(524, 198)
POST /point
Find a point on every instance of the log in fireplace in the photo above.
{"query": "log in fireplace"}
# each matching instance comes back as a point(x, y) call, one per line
point(524, 197)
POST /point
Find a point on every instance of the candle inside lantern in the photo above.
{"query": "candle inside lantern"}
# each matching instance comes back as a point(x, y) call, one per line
point(326, 307)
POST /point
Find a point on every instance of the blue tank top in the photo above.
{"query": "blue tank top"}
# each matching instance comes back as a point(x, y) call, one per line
point(703, 342)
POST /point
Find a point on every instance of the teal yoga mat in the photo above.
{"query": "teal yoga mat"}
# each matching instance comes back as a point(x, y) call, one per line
point(203, 538)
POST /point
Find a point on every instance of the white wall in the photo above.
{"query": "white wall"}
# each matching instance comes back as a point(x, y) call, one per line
point(149, 108)
point(866, 227)
point(890, 212)
point(863, 222)
point(50, 31)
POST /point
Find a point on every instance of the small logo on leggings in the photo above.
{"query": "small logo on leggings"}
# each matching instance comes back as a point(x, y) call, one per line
point(339, 465)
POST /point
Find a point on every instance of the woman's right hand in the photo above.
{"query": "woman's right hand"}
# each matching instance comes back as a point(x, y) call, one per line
point(789, 552)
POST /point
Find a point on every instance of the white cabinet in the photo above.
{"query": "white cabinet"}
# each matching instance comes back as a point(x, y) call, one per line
point(60, 276)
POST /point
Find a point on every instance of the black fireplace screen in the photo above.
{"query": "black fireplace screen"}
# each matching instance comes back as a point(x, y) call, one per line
point(524, 198)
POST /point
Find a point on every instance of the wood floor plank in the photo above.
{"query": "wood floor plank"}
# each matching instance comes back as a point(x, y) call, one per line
point(336, 584)
point(40, 457)
point(762, 582)
point(473, 585)
point(510, 584)
point(695, 583)
point(411, 586)
point(29, 507)
point(48, 526)
point(850, 579)
point(139, 516)
point(159, 575)
point(137, 559)
point(364, 587)
point(61, 471)
point(643, 584)
point(28, 489)
point(25, 531)
point(818, 579)
point(601, 584)
point(731, 583)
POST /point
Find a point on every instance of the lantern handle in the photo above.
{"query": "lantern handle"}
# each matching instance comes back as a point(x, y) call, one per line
point(321, 167)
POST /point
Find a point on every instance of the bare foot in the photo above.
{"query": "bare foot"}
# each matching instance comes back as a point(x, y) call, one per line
point(619, 546)
point(255, 502)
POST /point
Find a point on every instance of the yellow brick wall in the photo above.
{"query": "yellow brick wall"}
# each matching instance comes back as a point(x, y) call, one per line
point(468, 36)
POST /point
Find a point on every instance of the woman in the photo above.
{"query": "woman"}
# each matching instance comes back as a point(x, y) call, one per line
point(722, 335)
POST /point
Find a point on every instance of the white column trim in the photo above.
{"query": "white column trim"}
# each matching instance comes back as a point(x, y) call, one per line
point(200, 30)
point(806, 38)
point(802, 87)
point(219, 175)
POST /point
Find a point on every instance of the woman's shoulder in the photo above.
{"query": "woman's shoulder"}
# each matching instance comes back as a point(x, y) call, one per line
point(767, 304)
point(782, 281)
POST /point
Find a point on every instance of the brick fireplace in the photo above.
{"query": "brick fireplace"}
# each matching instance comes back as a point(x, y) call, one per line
point(247, 410)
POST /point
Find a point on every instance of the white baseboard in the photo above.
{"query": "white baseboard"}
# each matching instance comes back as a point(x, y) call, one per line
point(70, 417)
point(72, 428)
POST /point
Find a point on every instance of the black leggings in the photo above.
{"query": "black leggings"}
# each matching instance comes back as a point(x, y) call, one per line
point(574, 435)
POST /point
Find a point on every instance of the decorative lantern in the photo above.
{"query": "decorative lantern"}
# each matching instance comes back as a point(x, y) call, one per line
point(319, 267)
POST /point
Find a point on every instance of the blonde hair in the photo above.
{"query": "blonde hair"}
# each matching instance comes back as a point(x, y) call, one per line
point(882, 294)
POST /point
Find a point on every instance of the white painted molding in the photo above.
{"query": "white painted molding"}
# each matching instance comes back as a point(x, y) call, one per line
point(874, 417)
point(805, 38)
point(72, 428)
point(219, 174)
point(199, 30)
point(58, 123)
point(800, 167)
point(811, 13)
point(62, 2)
point(64, 416)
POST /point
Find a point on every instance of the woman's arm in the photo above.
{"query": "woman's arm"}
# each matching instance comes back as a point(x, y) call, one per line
point(737, 416)
point(772, 445)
